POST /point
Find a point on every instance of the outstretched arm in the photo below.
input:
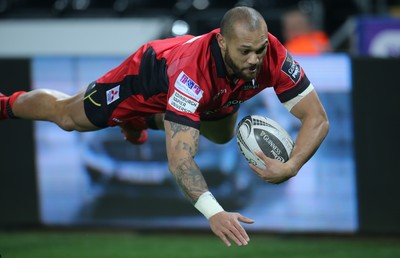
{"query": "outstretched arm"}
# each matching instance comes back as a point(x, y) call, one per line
point(182, 144)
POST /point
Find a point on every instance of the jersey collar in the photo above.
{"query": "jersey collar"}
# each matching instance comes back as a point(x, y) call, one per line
point(219, 61)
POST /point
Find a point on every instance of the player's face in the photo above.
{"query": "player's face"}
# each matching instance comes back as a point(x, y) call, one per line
point(245, 52)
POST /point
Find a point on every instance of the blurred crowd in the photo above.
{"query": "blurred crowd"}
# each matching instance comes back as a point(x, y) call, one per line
point(300, 35)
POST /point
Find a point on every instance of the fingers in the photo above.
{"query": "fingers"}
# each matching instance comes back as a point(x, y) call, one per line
point(226, 225)
point(235, 232)
point(224, 239)
point(235, 235)
point(261, 155)
point(244, 219)
point(243, 237)
point(241, 230)
point(258, 171)
point(267, 175)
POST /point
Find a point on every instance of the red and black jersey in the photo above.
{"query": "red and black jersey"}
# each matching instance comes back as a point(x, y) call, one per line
point(185, 78)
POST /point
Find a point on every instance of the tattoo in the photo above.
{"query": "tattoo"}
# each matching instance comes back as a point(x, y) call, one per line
point(187, 173)
point(176, 128)
point(196, 139)
point(190, 179)
point(191, 148)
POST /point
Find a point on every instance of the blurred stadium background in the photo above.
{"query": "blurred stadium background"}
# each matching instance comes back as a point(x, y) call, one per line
point(92, 195)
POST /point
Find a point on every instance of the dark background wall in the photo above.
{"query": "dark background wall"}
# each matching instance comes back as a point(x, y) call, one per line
point(18, 189)
point(376, 96)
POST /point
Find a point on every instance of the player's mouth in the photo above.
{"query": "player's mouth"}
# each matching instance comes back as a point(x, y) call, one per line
point(252, 69)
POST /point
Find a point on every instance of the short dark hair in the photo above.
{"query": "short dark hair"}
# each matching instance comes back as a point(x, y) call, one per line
point(249, 16)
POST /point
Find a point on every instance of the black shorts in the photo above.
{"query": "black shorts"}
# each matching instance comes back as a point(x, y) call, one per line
point(101, 100)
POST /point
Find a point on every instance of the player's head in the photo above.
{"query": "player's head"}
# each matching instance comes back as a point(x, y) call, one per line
point(243, 41)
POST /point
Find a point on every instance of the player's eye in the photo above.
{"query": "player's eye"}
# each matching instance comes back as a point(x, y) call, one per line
point(260, 51)
point(245, 52)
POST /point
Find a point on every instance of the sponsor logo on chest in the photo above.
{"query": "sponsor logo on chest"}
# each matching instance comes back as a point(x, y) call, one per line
point(250, 85)
point(220, 92)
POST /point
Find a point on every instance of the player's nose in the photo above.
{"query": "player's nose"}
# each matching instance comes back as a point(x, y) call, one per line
point(253, 59)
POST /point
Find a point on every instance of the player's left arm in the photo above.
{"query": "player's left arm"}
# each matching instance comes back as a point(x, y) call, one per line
point(313, 130)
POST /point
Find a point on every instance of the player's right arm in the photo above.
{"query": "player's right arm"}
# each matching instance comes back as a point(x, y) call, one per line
point(182, 144)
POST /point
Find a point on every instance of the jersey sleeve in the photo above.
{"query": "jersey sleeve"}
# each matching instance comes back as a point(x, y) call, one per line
point(183, 100)
point(291, 79)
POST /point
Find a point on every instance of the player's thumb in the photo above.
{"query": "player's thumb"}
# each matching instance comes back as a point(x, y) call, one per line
point(244, 219)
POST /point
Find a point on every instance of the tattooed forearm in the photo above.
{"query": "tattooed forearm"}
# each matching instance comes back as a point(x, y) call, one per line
point(182, 142)
point(190, 179)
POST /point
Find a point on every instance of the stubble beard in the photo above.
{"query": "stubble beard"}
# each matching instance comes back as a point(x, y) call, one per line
point(234, 70)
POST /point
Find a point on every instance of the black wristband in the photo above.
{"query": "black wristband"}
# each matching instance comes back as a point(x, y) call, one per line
point(10, 114)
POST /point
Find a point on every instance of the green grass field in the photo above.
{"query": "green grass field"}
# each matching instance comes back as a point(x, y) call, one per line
point(17, 244)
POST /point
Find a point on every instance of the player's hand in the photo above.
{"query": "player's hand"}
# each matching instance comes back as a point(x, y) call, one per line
point(226, 225)
point(275, 172)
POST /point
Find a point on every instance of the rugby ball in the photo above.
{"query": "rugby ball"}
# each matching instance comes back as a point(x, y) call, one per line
point(256, 132)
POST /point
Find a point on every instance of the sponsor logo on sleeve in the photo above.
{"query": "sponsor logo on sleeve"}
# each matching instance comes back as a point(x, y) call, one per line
point(182, 103)
point(188, 86)
point(112, 95)
point(291, 68)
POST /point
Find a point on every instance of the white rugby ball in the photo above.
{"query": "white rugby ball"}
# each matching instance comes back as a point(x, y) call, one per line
point(256, 132)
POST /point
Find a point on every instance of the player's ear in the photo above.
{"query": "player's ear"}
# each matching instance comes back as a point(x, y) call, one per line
point(221, 41)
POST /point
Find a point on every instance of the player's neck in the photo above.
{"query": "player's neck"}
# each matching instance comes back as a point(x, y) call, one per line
point(230, 75)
